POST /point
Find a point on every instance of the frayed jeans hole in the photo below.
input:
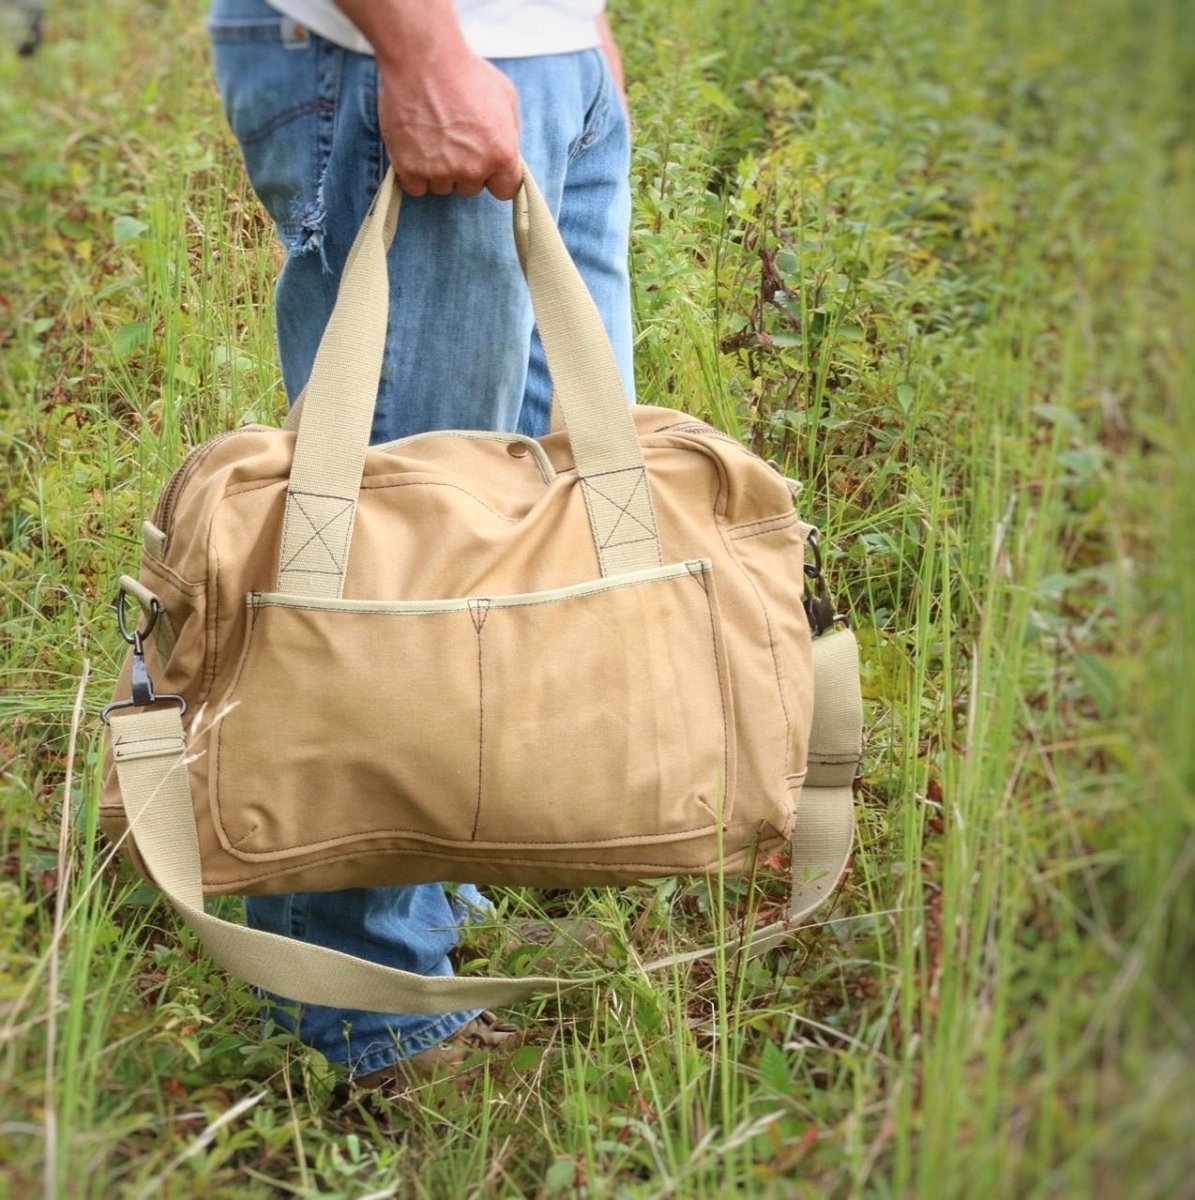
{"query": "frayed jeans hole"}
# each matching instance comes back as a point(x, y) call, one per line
point(312, 225)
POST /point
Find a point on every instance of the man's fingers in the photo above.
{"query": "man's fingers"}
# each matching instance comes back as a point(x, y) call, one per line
point(506, 182)
point(503, 183)
point(417, 185)
point(452, 129)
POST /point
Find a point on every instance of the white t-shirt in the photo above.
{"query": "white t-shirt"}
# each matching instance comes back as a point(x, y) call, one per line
point(492, 28)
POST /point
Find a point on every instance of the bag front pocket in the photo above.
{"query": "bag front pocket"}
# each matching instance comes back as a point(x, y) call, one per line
point(589, 716)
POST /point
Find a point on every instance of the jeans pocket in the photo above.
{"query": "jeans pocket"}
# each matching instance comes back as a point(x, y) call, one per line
point(601, 105)
point(280, 88)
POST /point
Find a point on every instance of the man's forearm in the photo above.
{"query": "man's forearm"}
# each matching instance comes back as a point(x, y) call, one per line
point(613, 57)
point(406, 33)
point(450, 120)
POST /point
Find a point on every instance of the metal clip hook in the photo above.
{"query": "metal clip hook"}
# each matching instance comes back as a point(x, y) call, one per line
point(155, 611)
point(819, 608)
point(143, 686)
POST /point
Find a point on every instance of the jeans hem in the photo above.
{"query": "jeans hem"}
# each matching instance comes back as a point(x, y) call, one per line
point(435, 1032)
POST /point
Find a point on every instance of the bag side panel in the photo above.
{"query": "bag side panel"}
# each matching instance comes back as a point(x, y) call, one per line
point(177, 567)
point(758, 564)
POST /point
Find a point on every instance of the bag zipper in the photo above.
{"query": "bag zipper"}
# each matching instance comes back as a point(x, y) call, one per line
point(168, 501)
point(701, 429)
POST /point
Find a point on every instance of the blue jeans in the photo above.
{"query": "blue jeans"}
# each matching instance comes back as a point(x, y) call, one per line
point(461, 353)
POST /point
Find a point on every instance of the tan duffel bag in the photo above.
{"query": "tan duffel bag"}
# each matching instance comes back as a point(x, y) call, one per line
point(583, 659)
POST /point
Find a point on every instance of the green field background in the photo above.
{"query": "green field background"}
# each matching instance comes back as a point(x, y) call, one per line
point(937, 260)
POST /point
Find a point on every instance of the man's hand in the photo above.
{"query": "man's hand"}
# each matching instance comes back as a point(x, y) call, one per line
point(451, 126)
point(449, 119)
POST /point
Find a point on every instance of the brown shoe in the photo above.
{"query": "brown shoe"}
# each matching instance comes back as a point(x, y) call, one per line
point(555, 946)
point(485, 1033)
point(523, 947)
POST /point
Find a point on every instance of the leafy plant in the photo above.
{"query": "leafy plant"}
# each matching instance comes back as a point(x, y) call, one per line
point(934, 260)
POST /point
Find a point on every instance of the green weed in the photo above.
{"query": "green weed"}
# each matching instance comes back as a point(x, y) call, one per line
point(937, 262)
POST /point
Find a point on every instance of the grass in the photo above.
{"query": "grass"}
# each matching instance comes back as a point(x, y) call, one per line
point(936, 260)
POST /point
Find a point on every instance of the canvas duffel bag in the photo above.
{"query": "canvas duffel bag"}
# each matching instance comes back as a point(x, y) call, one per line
point(471, 656)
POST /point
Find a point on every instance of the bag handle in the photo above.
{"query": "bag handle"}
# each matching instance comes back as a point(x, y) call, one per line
point(150, 753)
point(338, 403)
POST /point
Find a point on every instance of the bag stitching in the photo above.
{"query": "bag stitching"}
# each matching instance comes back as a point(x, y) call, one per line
point(722, 685)
point(214, 799)
point(287, 537)
point(767, 626)
point(789, 518)
point(698, 572)
point(456, 487)
point(774, 527)
point(212, 635)
point(593, 530)
point(480, 735)
point(246, 836)
point(622, 869)
point(742, 537)
point(157, 566)
point(454, 844)
point(624, 509)
point(479, 611)
point(463, 843)
point(485, 437)
point(256, 601)
point(612, 471)
point(118, 742)
point(317, 535)
point(219, 812)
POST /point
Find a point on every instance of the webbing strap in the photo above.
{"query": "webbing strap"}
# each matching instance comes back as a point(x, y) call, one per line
point(825, 824)
point(325, 477)
point(338, 403)
point(151, 759)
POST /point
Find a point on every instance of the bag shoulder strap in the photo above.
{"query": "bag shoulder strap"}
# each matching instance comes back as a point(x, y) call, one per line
point(150, 753)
